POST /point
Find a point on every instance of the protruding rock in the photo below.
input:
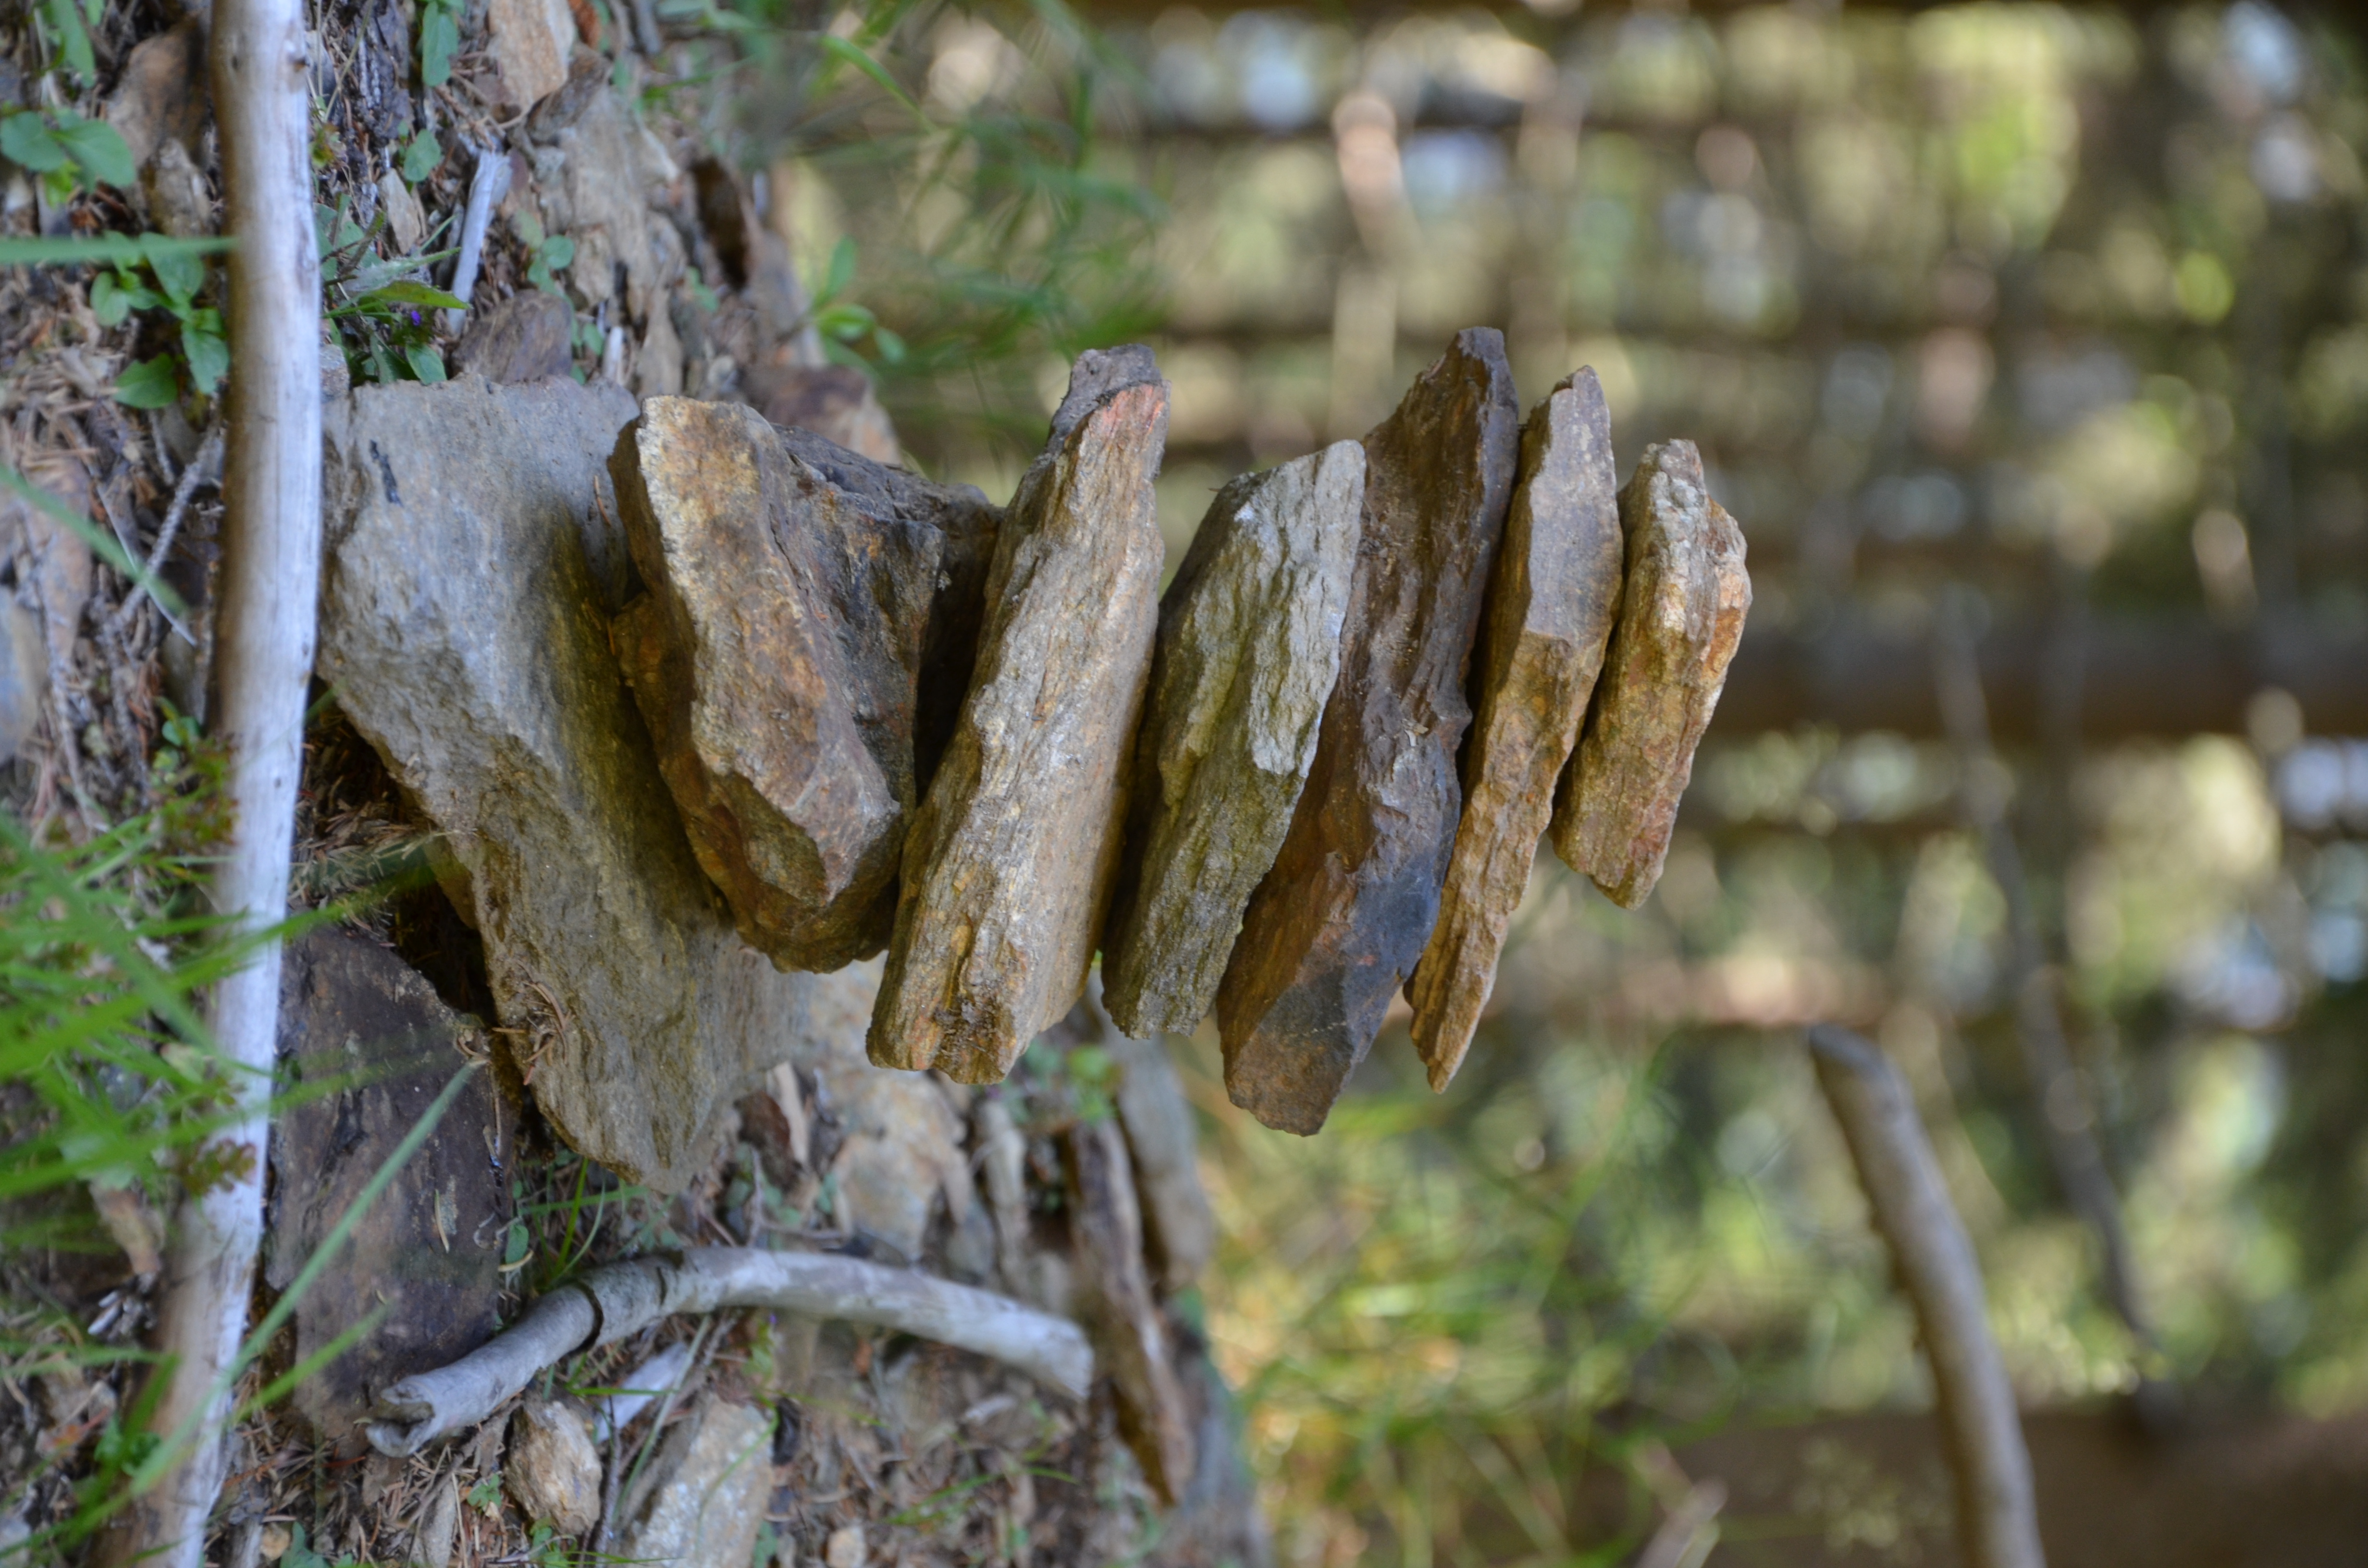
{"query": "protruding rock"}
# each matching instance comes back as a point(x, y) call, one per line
point(422, 1263)
point(1341, 920)
point(550, 1466)
point(1009, 862)
point(1552, 600)
point(736, 659)
point(1250, 647)
point(473, 564)
point(1680, 616)
point(715, 1476)
point(1131, 1338)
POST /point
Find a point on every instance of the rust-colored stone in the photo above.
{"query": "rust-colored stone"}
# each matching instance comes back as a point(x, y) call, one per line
point(1008, 866)
point(1680, 616)
point(1341, 920)
point(1552, 600)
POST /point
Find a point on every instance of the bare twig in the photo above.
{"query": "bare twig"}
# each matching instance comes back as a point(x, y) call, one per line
point(270, 586)
point(201, 469)
point(612, 1303)
point(1996, 1517)
point(487, 185)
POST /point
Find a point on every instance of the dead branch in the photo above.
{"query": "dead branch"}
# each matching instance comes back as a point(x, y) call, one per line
point(610, 1303)
point(1996, 1515)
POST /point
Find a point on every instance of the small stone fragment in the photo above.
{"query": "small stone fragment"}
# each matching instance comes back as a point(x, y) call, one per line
point(524, 339)
point(550, 1466)
point(1131, 1338)
point(845, 1548)
point(1341, 920)
point(1250, 647)
point(440, 1522)
point(1680, 618)
point(1009, 862)
point(528, 41)
point(425, 1259)
point(715, 1477)
point(736, 659)
point(1552, 600)
point(404, 221)
point(161, 94)
point(24, 676)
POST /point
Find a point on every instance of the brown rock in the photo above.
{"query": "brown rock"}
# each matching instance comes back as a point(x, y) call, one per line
point(1008, 865)
point(1250, 647)
point(1680, 616)
point(424, 1260)
point(529, 41)
point(1130, 1338)
point(550, 1466)
point(736, 659)
point(1552, 600)
point(524, 339)
point(1338, 924)
point(834, 402)
point(162, 95)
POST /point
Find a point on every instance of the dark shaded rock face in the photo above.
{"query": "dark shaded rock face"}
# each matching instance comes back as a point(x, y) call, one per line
point(474, 562)
point(1680, 618)
point(1009, 864)
point(1250, 647)
point(1338, 924)
point(1550, 604)
point(524, 339)
point(423, 1269)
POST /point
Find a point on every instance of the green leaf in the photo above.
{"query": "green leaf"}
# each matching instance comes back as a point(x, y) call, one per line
point(149, 384)
point(420, 156)
point(99, 148)
point(406, 292)
point(848, 52)
point(425, 362)
point(439, 41)
point(846, 322)
point(73, 35)
point(26, 141)
point(891, 345)
point(109, 301)
point(558, 252)
point(842, 270)
point(180, 276)
point(209, 355)
point(122, 249)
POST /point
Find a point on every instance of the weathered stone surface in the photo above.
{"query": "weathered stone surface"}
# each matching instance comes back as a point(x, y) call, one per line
point(1009, 862)
point(524, 339)
point(472, 563)
point(1341, 920)
point(1250, 647)
point(1680, 616)
point(779, 658)
point(550, 1466)
point(1130, 1338)
point(1179, 1229)
point(715, 1477)
point(735, 657)
point(425, 1257)
point(529, 42)
point(1551, 603)
point(834, 402)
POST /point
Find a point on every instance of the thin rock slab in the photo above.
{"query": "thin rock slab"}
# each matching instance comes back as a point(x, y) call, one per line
point(1680, 616)
point(1009, 863)
point(1130, 1337)
point(473, 562)
point(1552, 601)
point(1341, 917)
point(1249, 648)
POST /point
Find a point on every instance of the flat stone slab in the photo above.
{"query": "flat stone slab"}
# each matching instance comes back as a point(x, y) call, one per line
point(1249, 648)
point(355, 1020)
point(1680, 616)
point(473, 562)
point(1011, 860)
point(714, 1479)
point(778, 658)
point(1341, 917)
point(1552, 600)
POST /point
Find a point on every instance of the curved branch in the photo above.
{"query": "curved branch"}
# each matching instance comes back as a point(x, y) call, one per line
point(623, 1299)
point(1997, 1517)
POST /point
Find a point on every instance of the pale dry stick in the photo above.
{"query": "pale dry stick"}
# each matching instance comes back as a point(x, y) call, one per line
point(174, 513)
point(2060, 1101)
point(270, 588)
point(612, 1303)
point(1998, 1520)
point(487, 185)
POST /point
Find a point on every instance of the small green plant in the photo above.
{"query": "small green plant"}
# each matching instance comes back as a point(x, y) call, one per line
point(486, 1496)
point(382, 314)
point(172, 283)
point(64, 28)
point(421, 155)
point(547, 255)
point(440, 39)
point(68, 151)
point(843, 323)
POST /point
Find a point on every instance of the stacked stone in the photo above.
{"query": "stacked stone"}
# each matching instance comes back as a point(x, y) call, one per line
point(1312, 776)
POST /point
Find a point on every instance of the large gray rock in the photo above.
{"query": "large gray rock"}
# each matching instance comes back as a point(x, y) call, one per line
point(473, 562)
point(1549, 607)
point(1680, 618)
point(1011, 860)
point(1249, 645)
